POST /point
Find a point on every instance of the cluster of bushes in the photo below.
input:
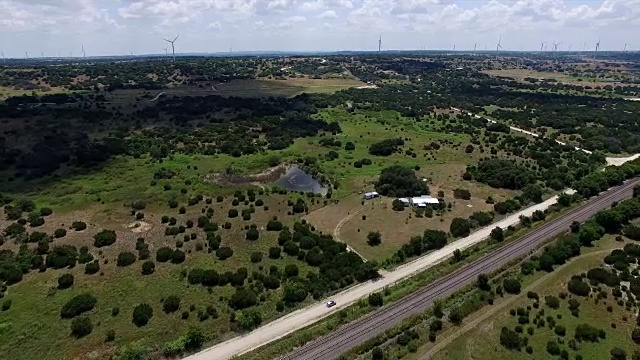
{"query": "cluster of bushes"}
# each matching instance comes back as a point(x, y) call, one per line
point(500, 173)
point(385, 147)
point(78, 305)
point(363, 162)
point(400, 181)
point(584, 235)
point(165, 254)
point(418, 245)
point(463, 194)
point(337, 266)
point(209, 278)
point(599, 181)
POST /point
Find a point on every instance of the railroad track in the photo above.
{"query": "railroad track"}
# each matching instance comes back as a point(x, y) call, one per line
point(358, 331)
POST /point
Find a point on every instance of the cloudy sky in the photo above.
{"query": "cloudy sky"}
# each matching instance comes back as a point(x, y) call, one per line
point(105, 27)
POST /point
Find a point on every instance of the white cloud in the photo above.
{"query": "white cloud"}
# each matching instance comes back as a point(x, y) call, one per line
point(312, 5)
point(117, 26)
point(328, 14)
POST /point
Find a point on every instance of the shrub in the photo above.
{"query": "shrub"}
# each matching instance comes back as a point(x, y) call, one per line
point(6, 305)
point(243, 298)
point(178, 257)
point(81, 327)
point(79, 225)
point(578, 287)
point(586, 332)
point(375, 299)
point(552, 301)
point(274, 252)
point(59, 233)
point(252, 234)
point(274, 225)
point(553, 348)
point(233, 213)
point(148, 267)
point(510, 339)
point(164, 254)
point(460, 227)
point(104, 238)
point(618, 354)
point(256, 257)
point(171, 304)
point(77, 305)
point(511, 285)
point(62, 256)
point(92, 267)
point(374, 238)
point(560, 330)
point(125, 259)
point(45, 211)
point(65, 281)
point(635, 335)
point(462, 194)
point(224, 252)
point(142, 313)
point(110, 336)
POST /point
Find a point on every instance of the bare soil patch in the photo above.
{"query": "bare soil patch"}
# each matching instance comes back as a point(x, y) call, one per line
point(267, 176)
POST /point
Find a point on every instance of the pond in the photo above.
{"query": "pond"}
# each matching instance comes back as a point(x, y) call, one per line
point(296, 179)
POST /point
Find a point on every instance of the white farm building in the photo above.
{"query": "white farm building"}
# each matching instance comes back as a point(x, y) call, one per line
point(424, 201)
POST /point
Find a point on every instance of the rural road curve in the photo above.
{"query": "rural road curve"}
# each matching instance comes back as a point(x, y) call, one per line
point(349, 335)
point(304, 317)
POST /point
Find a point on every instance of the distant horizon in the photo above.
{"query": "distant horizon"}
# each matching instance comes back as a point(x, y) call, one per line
point(222, 54)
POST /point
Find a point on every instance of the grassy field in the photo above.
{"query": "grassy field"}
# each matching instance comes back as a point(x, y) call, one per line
point(441, 168)
point(481, 340)
point(26, 336)
point(521, 74)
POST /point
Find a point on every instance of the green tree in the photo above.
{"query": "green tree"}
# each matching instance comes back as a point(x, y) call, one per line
point(497, 234)
point(104, 238)
point(171, 304)
point(65, 281)
point(483, 282)
point(374, 238)
point(511, 285)
point(248, 319)
point(460, 227)
point(142, 313)
point(81, 327)
point(375, 299)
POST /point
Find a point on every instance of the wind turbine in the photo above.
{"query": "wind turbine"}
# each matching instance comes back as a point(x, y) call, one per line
point(380, 43)
point(84, 54)
point(3, 59)
point(26, 55)
point(625, 48)
point(498, 47)
point(542, 45)
point(474, 47)
point(454, 47)
point(597, 48)
point(555, 48)
point(173, 48)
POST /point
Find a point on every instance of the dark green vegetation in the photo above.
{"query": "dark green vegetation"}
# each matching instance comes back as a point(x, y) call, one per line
point(105, 189)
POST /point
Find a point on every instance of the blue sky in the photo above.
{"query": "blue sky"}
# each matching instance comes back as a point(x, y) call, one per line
point(107, 27)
